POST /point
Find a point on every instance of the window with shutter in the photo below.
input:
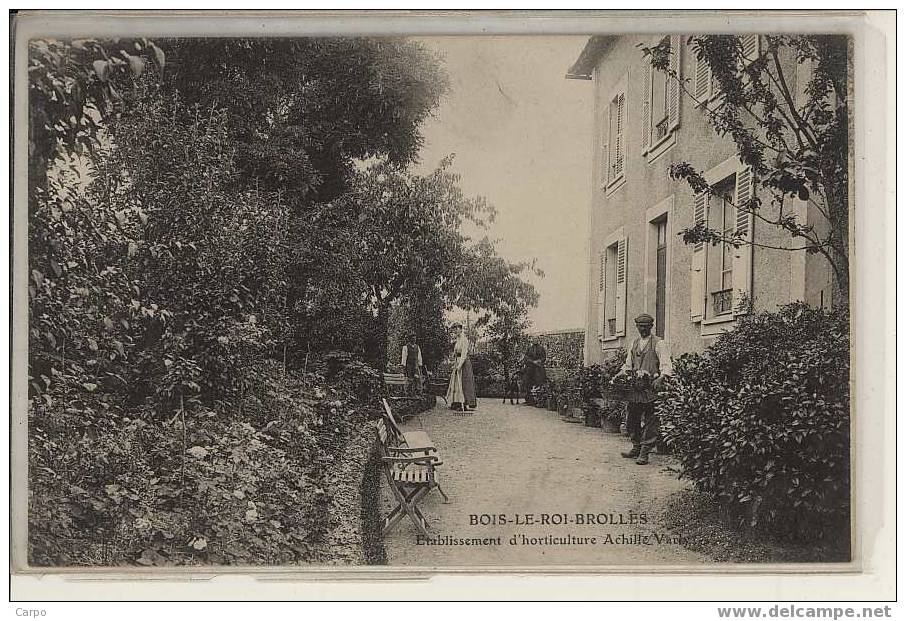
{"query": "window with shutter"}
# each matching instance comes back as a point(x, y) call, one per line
point(615, 141)
point(697, 269)
point(602, 277)
point(742, 256)
point(661, 99)
point(719, 260)
point(621, 278)
point(702, 87)
point(612, 287)
point(618, 140)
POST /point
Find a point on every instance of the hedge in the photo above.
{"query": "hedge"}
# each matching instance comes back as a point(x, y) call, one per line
point(761, 420)
point(263, 481)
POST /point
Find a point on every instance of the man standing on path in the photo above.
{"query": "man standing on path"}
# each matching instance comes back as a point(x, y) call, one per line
point(534, 373)
point(412, 364)
point(648, 355)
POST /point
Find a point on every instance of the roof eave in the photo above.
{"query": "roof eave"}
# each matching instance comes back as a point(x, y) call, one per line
point(594, 48)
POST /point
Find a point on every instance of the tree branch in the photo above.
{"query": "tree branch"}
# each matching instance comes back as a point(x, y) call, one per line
point(788, 98)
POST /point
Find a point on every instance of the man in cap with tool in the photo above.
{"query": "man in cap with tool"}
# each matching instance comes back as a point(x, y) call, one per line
point(649, 355)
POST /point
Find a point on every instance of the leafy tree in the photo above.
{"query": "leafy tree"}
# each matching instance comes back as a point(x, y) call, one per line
point(405, 240)
point(161, 273)
point(487, 283)
point(795, 149)
point(72, 87)
point(508, 336)
point(405, 234)
point(302, 111)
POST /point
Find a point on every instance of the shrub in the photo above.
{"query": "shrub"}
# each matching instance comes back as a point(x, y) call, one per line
point(111, 485)
point(761, 420)
point(611, 365)
point(593, 379)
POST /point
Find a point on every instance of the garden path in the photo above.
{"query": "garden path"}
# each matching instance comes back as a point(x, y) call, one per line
point(515, 459)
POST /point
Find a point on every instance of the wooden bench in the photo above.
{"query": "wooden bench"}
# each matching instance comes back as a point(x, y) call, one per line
point(437, 386)
point(409, 460)
point(396, 383)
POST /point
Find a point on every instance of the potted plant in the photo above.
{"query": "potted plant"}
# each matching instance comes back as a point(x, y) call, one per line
point(592, 410)
point(611, 415)
point(540, 394)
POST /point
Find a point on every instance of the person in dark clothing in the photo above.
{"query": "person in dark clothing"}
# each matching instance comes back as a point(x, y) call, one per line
point(533, 373)
point(649, 355)
point(412, 365)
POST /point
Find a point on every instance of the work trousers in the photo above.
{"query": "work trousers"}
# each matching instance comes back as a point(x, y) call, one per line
point(642, 426)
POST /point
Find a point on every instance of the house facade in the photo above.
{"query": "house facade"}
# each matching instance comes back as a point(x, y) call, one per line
point(644, 122)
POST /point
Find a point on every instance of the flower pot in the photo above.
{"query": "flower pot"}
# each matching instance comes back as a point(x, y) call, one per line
point(575, 415)
point(592, 416)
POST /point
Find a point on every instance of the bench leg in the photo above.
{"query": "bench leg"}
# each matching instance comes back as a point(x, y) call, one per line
point(439, 489)
point(415, 514)
point(406, 505)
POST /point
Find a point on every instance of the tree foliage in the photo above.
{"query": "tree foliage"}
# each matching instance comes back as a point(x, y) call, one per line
point(507, 332)
point(72, 86)
point(301, 111)
point(192, 225)
point(797, 147)
point(407, 235)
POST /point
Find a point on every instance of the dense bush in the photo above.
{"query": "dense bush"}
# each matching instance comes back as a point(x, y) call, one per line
point(250, 484)
point(564, 349)
point(761, 420)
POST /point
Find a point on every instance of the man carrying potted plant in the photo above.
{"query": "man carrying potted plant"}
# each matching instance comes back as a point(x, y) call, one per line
point(647, 363)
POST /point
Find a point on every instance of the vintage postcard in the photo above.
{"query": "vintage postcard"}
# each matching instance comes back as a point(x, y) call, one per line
point(577, 297)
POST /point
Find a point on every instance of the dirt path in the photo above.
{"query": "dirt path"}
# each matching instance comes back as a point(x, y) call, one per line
point(526, 463)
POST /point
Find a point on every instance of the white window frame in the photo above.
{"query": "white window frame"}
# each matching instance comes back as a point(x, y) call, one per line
point(711, 324)
point(710, 271)
point(650, 148)
point(653, 215)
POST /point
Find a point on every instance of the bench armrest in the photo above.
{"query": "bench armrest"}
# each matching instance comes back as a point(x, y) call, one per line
point(422, 460)
point(408, 449)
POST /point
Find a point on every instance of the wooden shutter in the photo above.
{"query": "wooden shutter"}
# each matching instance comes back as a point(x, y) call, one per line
point(602, 277)
point(620, 288)
point(619, 147)
point(702, 87)
point(605, 149)
point(673, 83)
point(750, 47)
point(646, 105)
point(742, 257)
point(697, 268)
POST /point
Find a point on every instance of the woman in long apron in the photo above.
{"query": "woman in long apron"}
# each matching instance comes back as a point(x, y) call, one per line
point(461, 391)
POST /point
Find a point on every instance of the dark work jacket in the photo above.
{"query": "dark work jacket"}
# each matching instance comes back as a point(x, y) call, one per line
point(535, 374)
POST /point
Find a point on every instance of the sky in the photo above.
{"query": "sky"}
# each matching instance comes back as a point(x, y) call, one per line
point(521, 134)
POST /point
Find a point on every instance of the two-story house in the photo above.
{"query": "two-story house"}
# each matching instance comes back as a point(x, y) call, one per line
point(644, 121)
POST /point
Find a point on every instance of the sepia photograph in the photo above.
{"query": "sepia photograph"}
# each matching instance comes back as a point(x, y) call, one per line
point(429, 301)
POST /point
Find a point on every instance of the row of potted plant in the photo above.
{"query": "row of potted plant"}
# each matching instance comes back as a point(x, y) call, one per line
point(581, 395)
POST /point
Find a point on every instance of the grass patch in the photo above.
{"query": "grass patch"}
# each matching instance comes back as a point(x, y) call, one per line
point(697, 517)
